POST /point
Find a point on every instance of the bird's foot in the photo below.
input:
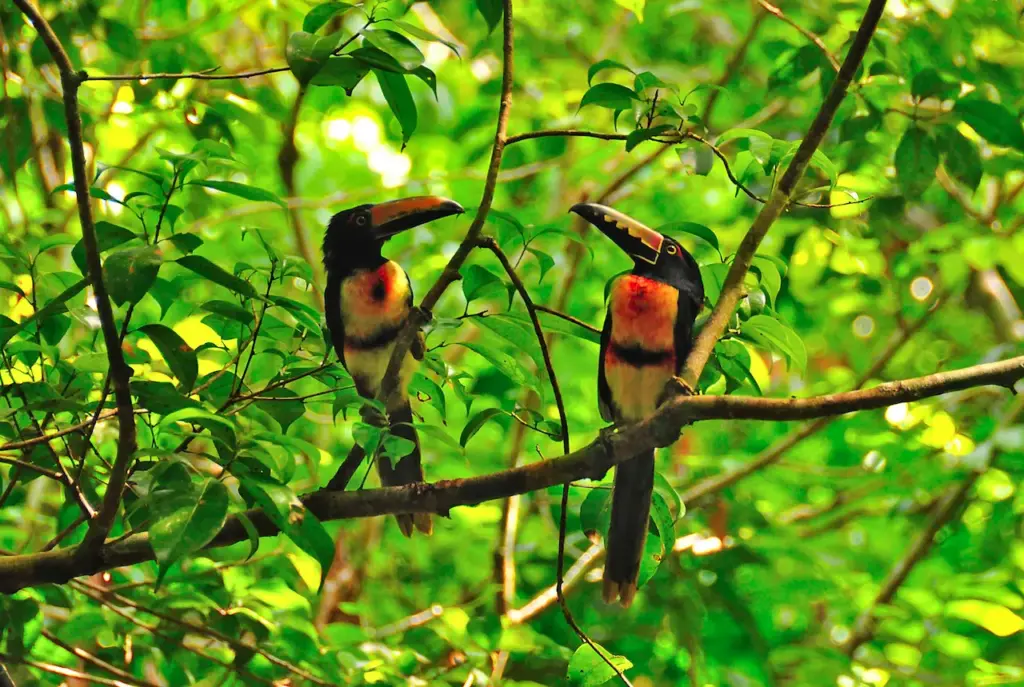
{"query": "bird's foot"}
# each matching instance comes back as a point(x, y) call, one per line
point(680, 387)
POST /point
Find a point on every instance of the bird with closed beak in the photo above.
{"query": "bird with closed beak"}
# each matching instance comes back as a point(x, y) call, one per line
point(367, 302)
point(647, 335)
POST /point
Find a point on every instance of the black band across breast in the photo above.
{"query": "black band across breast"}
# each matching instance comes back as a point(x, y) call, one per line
point(638, 356)
point(382, 338)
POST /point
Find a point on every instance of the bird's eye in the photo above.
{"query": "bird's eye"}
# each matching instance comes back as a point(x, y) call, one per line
point(671, 249)
point(361, 220)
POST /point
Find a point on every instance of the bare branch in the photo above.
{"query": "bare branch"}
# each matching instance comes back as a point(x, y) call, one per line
point(119, 370)
point(568, 318)
point(733, 287)
point(809, 35)
point(451, 271)
point(591, 461)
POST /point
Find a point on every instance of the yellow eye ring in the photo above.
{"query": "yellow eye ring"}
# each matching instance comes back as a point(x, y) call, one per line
point(671, 249)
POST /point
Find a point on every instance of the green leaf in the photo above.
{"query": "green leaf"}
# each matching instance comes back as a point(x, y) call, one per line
point(231, 311)
point(217, 275)
point(693, 229)
point(645, 80)
point(637, 137)
point(588, 668)
point(771, 280)
point(424, 35)
point(634, 6)
point(596, 512)
point(476, 422)
point(285, 510)
point(960, 157)
point(601, 66)
point(397, 46)
point(317, 17)
point(307, 53)
point(517, 332)
point(399, 98)
point(191, 523)
point(107, 236)
point(492, 11)
point(121, 39)
point(396, 447)
point(916, 161)
point(198, 416)
point(478, 282)
point(505, 364)
point(130, 273)
point(186, 243)
point(928, 83)
point(992, 121)
point(251, 533)
point(771, 333)
point(178, 355)
point(609, 95)
point(343, 71)
point(240, 190)
point(54, 240)
point(663, 522)
point(427, 76)
point(377, 59)
point(285, 411)
point(422, 384)
point(669, 495)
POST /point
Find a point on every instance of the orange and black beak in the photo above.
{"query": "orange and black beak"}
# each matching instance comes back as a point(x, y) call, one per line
point(396, 216)
point(639, 241)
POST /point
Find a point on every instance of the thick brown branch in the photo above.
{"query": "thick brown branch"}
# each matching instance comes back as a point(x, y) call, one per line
point(591, 461)
point(119, 371)
point(732, 289)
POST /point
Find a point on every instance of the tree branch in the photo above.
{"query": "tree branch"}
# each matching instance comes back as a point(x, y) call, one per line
point(671, 138)
point(450, 274)
point(119, 371)
point(591, 461)
point(733, 287)
point(812, 37)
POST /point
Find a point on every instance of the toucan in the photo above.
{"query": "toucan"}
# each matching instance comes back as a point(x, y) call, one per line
point(647, 335)
point(367, 302)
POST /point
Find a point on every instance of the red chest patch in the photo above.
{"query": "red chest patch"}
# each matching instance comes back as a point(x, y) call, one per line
point(374, 298)
point(643, 313)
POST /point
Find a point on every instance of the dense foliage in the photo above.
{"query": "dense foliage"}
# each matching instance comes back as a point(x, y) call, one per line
point(902, 256)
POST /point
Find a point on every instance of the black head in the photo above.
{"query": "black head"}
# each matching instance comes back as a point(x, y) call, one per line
point(354, 237)
point(654, 255)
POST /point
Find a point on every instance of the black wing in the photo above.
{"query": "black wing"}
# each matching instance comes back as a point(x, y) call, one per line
point(332, 313)
point(687, 309)
point(604, 393)
point(419, 344)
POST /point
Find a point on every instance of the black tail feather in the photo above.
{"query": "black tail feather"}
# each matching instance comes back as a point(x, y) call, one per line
point(408, 470)
point(631, 511)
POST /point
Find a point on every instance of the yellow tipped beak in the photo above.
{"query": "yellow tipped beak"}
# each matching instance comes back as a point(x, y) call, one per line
point(395, 216)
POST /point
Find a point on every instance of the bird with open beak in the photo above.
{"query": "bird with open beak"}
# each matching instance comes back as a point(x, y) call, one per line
point(367, 301)
point(647, 335)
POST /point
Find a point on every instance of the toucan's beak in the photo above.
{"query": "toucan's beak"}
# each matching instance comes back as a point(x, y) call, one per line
point(396, 216)
point(640, 242)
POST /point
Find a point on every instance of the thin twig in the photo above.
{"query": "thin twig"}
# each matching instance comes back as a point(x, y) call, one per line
point(94, 661)
point(812, 37)
point(547, 598)
point(568, 318)
point(119, 370)
point(451, 271)
point(780, 198)
point(201, 630)
point(69, 672)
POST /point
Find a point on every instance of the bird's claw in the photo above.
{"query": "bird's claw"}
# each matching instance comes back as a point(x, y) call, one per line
point(681, 387)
